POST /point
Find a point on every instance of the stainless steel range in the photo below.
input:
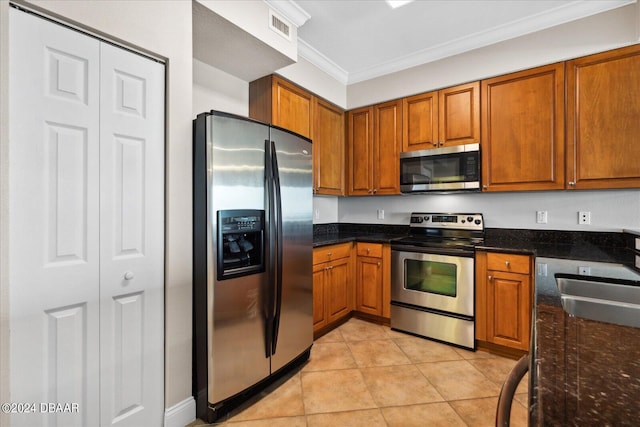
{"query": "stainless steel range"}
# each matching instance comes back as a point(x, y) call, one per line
point(432, 277)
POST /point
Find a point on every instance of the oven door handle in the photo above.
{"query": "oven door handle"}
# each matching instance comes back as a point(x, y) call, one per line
point(431, 250)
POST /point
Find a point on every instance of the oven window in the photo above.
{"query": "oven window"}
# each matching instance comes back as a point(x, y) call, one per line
point(430, 276)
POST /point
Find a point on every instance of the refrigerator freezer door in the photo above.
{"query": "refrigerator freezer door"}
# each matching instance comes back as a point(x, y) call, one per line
point(237, 354)
point(295, 323)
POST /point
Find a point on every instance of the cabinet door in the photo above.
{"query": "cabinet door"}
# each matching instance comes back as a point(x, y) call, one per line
point(338, 290)
point(319, 310)
point(460, 114)
point(328, 150)
point(523, 130)
point(360, 151)
point(509, 309)
point(603, 120)
point(387, 146)
point(292, 107)
point(420, 122)
point(369, 285)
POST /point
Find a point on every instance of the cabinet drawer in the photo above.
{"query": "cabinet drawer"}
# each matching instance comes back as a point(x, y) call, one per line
point(369, 249)
point(508, 262)
point(329, 253)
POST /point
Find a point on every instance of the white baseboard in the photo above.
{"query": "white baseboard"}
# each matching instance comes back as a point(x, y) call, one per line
point(181, 414)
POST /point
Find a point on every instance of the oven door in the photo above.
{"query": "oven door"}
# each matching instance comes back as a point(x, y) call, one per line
point(433, 281)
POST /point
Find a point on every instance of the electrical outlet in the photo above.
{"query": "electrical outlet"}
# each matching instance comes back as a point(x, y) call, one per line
point(541, 269)
point(380, 213)
point(541, 217)
point(584, 217)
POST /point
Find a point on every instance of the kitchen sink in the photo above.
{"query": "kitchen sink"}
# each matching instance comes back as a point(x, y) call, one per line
point(601, 300)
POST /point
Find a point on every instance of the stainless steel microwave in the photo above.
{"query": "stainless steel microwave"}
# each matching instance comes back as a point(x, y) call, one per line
point(447, 169)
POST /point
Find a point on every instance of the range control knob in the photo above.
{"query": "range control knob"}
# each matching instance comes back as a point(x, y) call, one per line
point(469, 218)
point(477, 221)
point(426, 217)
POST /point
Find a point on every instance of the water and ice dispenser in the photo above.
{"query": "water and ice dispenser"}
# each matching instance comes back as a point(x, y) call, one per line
point(240, 243)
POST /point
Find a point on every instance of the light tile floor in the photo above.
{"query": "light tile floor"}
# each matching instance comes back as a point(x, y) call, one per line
point(364, 374)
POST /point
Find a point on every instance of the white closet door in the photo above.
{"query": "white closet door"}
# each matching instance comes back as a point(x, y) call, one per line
point(131, 239)
point(86, 228)
point(53, 216)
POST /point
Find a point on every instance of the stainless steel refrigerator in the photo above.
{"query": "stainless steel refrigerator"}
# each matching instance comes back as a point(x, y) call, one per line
point(252, 251)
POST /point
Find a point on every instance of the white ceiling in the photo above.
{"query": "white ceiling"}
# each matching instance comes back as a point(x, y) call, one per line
point(356, 40)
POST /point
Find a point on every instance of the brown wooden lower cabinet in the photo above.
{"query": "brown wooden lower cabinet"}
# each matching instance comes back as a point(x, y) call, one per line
point(373, 276)
point(350, 278)
point(333, 291)
point(504, 285)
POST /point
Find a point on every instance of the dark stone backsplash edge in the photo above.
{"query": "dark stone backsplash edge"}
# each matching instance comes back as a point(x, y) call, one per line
point(506, 235)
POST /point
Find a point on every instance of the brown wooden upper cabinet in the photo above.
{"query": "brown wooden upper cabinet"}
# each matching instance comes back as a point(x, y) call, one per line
point(442, 118)
point(523, 130)
point(374, 144)
point(603, 120)
point(328, 149)
point(275, 100)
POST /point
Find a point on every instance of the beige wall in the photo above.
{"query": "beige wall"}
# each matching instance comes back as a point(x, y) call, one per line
point(163, 29)
point(214, 89)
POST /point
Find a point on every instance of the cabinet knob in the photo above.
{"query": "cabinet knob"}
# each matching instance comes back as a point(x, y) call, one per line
point(435, 144)
point(507, 263)
point(490, 277)
point(485, 187)
point(368, 250)
point(441, 143)
point(572, 184)
point(378, 264)
point(375, 190)
point(128, 275)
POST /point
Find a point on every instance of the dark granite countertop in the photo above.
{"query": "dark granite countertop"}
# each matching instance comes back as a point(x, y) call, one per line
point(329, 234)
point(582, 371)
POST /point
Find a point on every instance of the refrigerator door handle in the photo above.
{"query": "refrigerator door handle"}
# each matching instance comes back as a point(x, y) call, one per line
point(277, 200)
point(268, 301)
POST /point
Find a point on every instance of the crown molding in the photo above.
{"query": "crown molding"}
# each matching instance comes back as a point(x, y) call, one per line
point(290, 10)
point(322, 62)
point(573, 11)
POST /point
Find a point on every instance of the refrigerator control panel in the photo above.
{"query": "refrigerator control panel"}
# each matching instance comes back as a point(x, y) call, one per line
point(241, 223)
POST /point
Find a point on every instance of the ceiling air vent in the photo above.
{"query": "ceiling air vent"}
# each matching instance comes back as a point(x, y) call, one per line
point(279, 25)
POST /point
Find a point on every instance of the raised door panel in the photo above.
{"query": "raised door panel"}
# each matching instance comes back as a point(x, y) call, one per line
point(328, 150)
point(319, 311)
point(387, 146)
point(509, 308)
point(54, 214)
point(292, 108)
point(523, 130)
point(369, 285)
point(603, 106)
point(339, 290)
point(132, 243)
point(460, 114)
point(420, 122)
point(360, 151)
